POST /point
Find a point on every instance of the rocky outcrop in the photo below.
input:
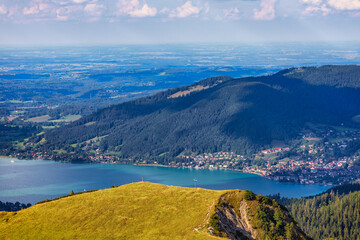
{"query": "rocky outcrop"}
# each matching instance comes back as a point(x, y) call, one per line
point(236, 226)
point(242, 215)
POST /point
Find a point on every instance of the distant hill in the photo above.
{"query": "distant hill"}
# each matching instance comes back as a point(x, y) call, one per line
point(153, 211)
point(217, 114)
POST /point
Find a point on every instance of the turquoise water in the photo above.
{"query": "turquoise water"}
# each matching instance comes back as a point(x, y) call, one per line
point(36, 180)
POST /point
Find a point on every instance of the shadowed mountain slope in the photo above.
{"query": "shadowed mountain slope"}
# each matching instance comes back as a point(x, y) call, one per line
point(217, 114)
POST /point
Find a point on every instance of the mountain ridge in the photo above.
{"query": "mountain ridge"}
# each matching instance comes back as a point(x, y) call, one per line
point(153, 211)
point(226, 114)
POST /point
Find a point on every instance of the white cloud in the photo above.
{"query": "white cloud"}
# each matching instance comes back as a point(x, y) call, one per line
point(31, 10)
point(145, 11)
point(267, 11)
point(345, 4)
point(13, 11)
point(133, 8)
point(3, 9)
point(185, 10)
point(324, 7)
point(311, 10)
point(126, 6)
point(94, 9)
point(44, 6)
point(314, 2)
point(38, 7)
point(79, 1)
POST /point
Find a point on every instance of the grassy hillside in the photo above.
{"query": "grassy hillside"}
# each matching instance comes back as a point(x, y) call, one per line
point(138, 211)
point(135, 211)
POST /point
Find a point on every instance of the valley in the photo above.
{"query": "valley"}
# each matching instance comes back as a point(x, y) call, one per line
point(270, 128)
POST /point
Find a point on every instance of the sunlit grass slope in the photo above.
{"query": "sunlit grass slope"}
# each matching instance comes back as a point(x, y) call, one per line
point(134, 211)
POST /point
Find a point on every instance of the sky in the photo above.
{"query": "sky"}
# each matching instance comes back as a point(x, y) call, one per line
point(104, 22)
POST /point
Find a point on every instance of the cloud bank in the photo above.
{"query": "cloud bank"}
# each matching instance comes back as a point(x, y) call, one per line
point(177, 10)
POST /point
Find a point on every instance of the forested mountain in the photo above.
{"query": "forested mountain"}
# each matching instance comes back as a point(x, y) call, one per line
point(222, 113)
point(333, 214)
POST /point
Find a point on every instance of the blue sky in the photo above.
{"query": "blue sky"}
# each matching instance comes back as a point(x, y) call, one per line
point(92, 22)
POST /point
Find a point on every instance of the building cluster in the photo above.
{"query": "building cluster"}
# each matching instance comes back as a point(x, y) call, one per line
point(321, 157)
point(217, 160)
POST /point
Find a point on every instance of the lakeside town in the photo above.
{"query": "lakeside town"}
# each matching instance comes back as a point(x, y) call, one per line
point(336, 172)
point(325, 156)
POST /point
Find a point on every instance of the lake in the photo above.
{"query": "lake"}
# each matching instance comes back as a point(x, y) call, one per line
point(30, 181)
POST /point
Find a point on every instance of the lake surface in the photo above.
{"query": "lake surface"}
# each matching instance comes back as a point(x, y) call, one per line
point(35, 180)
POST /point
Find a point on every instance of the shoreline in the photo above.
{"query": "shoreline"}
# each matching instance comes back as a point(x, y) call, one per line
point(210, 169)
point(222, 174)
point(183, 167)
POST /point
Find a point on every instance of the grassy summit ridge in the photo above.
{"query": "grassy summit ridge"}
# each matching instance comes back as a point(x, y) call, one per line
point(137, 211)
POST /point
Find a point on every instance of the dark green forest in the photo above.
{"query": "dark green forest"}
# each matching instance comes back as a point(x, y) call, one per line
point(241, 115)
point(333, 214)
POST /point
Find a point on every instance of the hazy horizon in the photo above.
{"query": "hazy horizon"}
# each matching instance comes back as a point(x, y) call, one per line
point(351, 45)
point(116, 22)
